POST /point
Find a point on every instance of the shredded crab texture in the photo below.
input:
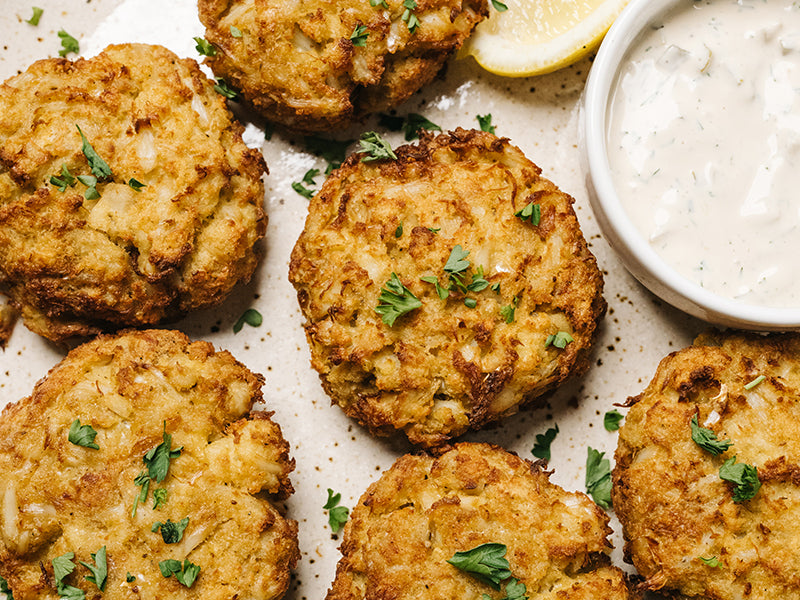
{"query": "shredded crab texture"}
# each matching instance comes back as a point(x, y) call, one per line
point(296, 64)
point(674, 507)
point(76, 265)
point(58, 497)
point(424, 509)
point(444, 368)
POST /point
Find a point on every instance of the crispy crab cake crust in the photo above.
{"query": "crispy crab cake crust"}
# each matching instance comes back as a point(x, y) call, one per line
point(443, 368)
point(667, 492)
point(58, 497)
point(424, 509)
point(296, 64)
point(76, 266)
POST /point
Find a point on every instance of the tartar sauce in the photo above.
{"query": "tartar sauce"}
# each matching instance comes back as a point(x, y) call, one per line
point(704, 145)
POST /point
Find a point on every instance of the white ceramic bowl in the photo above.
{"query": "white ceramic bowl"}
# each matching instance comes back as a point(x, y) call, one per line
point(623, 236)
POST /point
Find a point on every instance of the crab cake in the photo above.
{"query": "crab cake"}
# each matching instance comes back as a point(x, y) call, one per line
point(314, 65)
point(487, 293)
point(687, 529)
point(423, 510)
point(140, 451)
point(127, 195)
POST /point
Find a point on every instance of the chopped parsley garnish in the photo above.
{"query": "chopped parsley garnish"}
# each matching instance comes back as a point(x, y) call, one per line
point(457, 261)
point(441, 291)
point(68, 44)
point(82, 435)
point(143, 481)
point(486, 563)
point(204, 47)
point(541, 449)
point(34, 20)
point(251, 316)
point(129, 578)
point(333, 151)
point(398, 233)
point(99, 569)
point(515, 590)
point(376, 147)
point(308, 179)
point(532, 212)
point(222, 87)
point(409, 17)
point(185, 573)
point(470, 302)
point(62, 567)
point(381, 3)
point(499, 6)
point(612, 419)
point(90, 181)
point(359, 35)
point(755, 382)
point(236, 32)
point(395, 301)
point(156, 461)
point(159, 497)
point(711, 562)
point(414, 123)
point(66, 179)
point(5, 589)
point(135, 185)
point(100, 168)
point(171, 532)
point(744, 477)
point(496, 287)
point(269, 129)
point(559, 340)
point(507, 312)
point(598, 478)
point(485, 122)
point(434, 229)
point(337, 515)
point(707, 439)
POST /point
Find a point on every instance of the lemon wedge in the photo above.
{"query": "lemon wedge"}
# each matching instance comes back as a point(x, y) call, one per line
point(539, 36)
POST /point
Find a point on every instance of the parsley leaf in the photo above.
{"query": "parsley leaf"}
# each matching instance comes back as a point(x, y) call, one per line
point(470, 302)
point(251, 316)
point(224, 89)
point(185, 573)
point(598, 478)
point(62, 567)
point(398, 233)
point(707, 439)
point(409, 17)
point(236, 32)
point(457, 261)
point(68, 44)
point(395, 300)
point(559, 340)
point(531, 212)
point(507, 312)
point(157, 459)
point(5, 589)
point(487, 563)
point(171, 532)
point(499, 6)
point(711, 562)
point(99, 569)
point(485, 122)
point(82, 435)
point(66, 179)
point(34, 20)
point(541, 449)
point(359, 35)
point(100, 168)
point(337, 515)
point(376, 147)
point(743, 476)
point(612, 419)
point(159, 497)
point(129, 578)
point(90, 182)
point(143, 481)
point(381, 3)
point(308, 179)
point(204, 47)
point(478, 282)
point(135, 185)
point(755, 382)
point(442, 292)
point(414, 122)
point(333, 151)
point(515, 590)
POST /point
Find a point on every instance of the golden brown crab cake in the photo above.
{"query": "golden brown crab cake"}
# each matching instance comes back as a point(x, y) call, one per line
point(686, 529)
point(424, 509)
point(314, 65)
point(172, 228)
point(66, 489)
point(520, 311)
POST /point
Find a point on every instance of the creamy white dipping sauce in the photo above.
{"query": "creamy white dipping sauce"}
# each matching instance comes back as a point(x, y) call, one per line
point(704, 145)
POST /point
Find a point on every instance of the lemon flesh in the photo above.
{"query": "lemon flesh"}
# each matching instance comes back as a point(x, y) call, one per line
point(534, 37)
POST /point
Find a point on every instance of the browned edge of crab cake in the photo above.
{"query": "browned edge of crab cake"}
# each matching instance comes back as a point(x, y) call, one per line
point(444, 368)
point(134, 389)
point(424, 509)
point(297, 65)
point(76, 263)
point(668, 494)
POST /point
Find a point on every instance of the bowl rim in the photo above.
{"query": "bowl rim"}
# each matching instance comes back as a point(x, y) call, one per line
point(666, 281)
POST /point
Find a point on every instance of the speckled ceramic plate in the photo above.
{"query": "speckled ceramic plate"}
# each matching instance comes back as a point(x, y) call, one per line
point(540, 115)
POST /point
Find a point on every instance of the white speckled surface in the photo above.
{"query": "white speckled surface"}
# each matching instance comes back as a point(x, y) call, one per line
point(540, 115)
